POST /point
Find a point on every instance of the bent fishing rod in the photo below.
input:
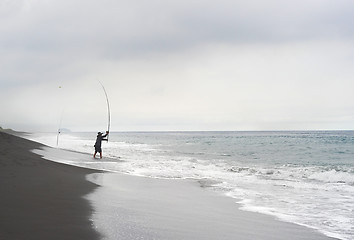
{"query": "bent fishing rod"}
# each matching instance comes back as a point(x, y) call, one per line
point(108, 109)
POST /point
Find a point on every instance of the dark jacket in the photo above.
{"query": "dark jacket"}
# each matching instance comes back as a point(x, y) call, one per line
point(99, 140)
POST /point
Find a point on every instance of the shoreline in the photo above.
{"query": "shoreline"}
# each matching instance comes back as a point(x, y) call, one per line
point(138, 207)
point(150, 208)
point(41, 199)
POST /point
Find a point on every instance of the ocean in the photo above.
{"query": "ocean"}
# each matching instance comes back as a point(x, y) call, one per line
point(303, 177)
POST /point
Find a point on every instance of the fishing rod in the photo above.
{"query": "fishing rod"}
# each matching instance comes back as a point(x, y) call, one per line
point(108, 109)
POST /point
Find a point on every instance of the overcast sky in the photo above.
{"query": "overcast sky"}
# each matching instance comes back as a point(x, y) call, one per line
point(177, 65)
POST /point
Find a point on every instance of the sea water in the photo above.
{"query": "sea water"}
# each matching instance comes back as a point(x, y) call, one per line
point(302, 177)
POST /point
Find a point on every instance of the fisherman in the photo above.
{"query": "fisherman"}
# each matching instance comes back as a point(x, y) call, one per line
point(98, 143)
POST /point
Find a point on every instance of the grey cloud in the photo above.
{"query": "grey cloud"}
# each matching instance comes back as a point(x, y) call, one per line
point(134, 27)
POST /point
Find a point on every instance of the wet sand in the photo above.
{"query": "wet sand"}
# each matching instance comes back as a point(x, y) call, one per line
point(130, 207)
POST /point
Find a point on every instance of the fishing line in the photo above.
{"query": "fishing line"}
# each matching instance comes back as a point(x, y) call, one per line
point(60, 122)
point(59, 128)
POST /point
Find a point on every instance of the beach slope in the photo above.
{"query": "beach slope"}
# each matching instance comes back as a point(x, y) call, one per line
point(41, 199)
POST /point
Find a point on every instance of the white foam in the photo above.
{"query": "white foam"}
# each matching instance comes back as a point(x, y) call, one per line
point(333, 176)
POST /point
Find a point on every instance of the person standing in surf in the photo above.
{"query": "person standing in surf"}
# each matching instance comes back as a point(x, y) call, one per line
point(98, 143)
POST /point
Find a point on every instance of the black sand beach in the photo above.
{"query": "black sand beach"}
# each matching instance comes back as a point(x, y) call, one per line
point(41, 199)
